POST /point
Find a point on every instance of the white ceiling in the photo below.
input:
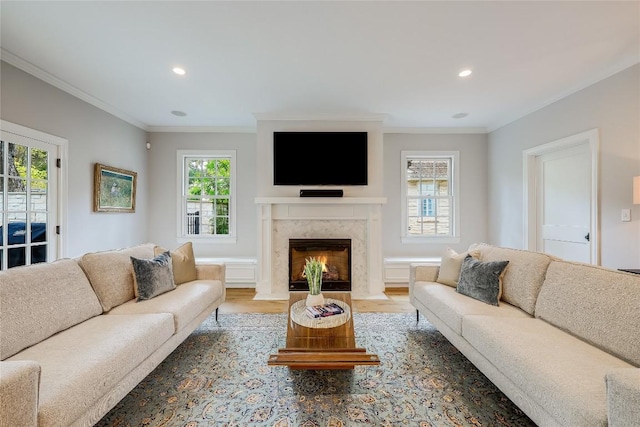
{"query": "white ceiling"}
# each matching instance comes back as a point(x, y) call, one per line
point(397, 58)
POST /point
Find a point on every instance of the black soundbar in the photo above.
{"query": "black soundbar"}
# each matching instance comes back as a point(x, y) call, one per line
point(321, 193)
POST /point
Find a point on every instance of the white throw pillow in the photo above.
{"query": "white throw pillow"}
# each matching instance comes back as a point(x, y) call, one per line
point(450, 266)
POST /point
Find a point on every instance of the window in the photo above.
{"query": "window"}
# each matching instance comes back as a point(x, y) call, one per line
point(429, 203)
point(207, 202)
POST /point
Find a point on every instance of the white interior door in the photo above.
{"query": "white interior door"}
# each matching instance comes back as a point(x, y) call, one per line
point(29, 193)
point(561, 198)
point(563, 192)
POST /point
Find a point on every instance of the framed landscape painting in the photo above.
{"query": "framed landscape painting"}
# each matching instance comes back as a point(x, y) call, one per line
point(114, 190)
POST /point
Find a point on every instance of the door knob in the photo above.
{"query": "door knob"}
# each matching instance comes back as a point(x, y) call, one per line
point(587, 237)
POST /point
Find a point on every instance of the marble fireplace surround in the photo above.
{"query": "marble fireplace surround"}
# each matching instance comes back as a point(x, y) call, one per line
point(355, 218)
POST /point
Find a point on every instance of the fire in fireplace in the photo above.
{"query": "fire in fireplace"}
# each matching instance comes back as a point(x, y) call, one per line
point(334, 253)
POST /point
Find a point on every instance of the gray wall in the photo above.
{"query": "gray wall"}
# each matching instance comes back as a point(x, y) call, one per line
point(473, 190)
point(491, 169)
point(94, 137)
point(162, 228)
point(163, 192)
point(612, 106)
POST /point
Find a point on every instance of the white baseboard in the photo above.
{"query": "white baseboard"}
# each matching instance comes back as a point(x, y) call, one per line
point(396, 285)
point(240, 285)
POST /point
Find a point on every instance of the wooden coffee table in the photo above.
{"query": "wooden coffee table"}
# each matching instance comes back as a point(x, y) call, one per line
point(321, 348)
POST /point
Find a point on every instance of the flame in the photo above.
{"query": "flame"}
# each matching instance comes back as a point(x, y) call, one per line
point(323, 261)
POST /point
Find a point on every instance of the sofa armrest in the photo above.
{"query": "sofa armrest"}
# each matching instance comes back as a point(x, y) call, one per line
point(623, 397)
point(211, 272)
point(421, 273)
point(19, 385)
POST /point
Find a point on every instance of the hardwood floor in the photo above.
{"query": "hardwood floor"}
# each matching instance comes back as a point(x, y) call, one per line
point(241, 301)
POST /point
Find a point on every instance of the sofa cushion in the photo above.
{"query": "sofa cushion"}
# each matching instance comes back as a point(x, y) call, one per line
point(185, 302)
point(450, 265)
point(451, 307)
point(83, 363)
point(523, 276)
point(561, 373)
point(40, 300)
point(152, 277)
point(598, 305)
point(183, 263)
point(481, 280)
point(111, 273)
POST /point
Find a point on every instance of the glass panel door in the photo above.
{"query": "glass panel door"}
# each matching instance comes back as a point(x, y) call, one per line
point(28, 181)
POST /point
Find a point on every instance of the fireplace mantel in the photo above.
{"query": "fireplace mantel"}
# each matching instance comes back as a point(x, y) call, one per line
point(356, 218)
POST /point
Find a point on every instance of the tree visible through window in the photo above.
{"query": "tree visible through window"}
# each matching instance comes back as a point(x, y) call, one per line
point(429, 197)
point(207, 195)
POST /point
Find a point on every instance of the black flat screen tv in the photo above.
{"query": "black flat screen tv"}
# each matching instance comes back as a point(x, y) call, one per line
point(320, 158)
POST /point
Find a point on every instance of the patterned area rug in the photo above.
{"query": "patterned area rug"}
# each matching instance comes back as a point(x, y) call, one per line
point(219, 377)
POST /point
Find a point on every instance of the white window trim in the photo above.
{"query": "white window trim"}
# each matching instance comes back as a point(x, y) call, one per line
point(182, 237)
point(455, 192)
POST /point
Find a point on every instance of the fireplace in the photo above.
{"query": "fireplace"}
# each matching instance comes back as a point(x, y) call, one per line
point(335, 253)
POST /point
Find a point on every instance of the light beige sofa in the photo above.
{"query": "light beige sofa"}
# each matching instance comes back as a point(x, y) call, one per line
point(74, 341)
point(563, 344)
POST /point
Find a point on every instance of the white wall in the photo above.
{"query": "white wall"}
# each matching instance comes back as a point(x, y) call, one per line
point(473, 190)
point(94, 137)
point(164, 189)
point(264, 184)
point(612, 106)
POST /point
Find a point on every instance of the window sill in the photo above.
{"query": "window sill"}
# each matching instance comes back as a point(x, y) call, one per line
point(208, 240)
point(430, 239)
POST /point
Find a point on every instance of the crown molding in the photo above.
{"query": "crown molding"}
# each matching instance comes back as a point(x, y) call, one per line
point(202, 129)
point(585, 84)
point(371, 117)
point(436, 130)
point(251, 129)
point(35, 71)
point(39, 73)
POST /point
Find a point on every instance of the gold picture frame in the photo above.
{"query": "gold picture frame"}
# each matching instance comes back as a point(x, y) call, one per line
point(114, 190)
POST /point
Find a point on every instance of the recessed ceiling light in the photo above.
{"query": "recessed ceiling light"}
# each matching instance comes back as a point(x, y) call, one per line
point(179, 71)
point(178, 113)
point(460, 115)
point(465, 73)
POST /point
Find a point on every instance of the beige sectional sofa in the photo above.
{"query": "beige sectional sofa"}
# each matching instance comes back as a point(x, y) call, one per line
point(563, 344)
point(74, 341)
